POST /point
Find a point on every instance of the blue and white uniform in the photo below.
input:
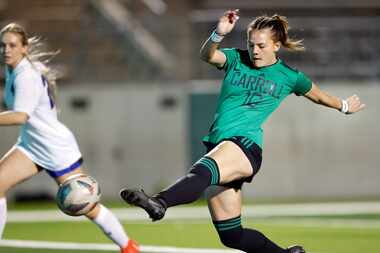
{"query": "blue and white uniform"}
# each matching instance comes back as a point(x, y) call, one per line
point(45, 140)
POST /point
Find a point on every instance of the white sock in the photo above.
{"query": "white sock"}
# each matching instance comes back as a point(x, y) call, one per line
point(3, 215)
point(111, 226)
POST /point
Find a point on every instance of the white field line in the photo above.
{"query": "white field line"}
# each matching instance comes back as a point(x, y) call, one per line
point(250, 211)
point(103, 247)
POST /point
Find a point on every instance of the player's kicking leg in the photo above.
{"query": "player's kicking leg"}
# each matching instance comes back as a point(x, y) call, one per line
point(154, 207)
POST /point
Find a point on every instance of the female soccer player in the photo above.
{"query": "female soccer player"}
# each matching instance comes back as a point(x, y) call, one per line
point(255, 83)
point(44, 142)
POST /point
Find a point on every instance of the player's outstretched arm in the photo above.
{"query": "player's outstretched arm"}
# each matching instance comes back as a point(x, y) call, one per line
point(9, 118)
point(349, 105)
point(209, 50)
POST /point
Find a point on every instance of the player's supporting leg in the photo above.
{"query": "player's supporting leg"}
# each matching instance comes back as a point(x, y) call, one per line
point(15, 167)
point(107, 222)
point(205, 172)
point(3, 215)
point(225, 209)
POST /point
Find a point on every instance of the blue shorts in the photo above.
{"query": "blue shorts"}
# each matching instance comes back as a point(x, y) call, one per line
point(252, 151)
point(55, 174)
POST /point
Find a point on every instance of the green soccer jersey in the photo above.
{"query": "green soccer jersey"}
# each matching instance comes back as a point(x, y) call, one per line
point(249, 95)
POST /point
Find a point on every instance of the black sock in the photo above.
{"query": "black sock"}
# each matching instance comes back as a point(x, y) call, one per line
point(233, 235)
point(189, 188)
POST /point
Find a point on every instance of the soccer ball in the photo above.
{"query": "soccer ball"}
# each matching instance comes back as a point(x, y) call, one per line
point(78, 195)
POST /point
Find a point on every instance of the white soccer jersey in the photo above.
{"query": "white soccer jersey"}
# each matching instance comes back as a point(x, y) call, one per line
point(44, 139)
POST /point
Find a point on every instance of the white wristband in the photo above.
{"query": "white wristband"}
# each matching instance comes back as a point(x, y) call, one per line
point(217, 38)
point(344, 108)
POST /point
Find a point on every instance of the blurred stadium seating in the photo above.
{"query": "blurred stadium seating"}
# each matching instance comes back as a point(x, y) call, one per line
point(129, 40)
point(341, 37)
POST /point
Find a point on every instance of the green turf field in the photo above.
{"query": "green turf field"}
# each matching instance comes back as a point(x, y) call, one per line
point(351, 233)
point(334, 234)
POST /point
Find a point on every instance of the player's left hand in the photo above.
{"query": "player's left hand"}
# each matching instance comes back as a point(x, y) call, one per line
point(354, 104)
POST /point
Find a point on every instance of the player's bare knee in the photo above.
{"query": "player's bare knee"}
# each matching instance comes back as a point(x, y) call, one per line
point(3, 190)
point(93, 213)
point(2, 193)
point(4, 185)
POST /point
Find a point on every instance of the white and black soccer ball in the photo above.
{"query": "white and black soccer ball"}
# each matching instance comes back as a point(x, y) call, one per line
point(78, 195)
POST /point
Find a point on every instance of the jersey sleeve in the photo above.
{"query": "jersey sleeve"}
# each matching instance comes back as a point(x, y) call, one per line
point(231, 56)
point(303, 84)
point(28, 89)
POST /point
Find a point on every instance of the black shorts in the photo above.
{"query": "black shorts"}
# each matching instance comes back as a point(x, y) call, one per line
point(251, 150)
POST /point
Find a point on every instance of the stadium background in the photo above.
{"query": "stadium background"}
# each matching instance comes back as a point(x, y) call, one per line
point(138, 98)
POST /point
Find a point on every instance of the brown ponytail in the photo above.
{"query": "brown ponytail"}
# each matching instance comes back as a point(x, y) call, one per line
point(279, 26)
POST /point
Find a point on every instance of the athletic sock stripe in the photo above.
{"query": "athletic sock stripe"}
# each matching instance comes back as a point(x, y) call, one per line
point(210, 166)
point(209, 163)
point(228, 228)
point(213, 167)
point(228, 224)
point(228, 221)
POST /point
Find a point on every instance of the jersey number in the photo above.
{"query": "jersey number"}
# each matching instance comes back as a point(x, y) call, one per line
point(51, 100)
point(253, 98)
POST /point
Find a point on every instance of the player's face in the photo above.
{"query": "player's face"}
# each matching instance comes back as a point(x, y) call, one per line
point(261, 47)
point(12, 49)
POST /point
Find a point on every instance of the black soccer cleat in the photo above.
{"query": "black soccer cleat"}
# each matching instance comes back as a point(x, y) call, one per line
point(296, 249)
point(151, 205)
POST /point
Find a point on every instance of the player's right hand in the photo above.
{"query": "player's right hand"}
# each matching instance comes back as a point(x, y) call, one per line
point(227, 22)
